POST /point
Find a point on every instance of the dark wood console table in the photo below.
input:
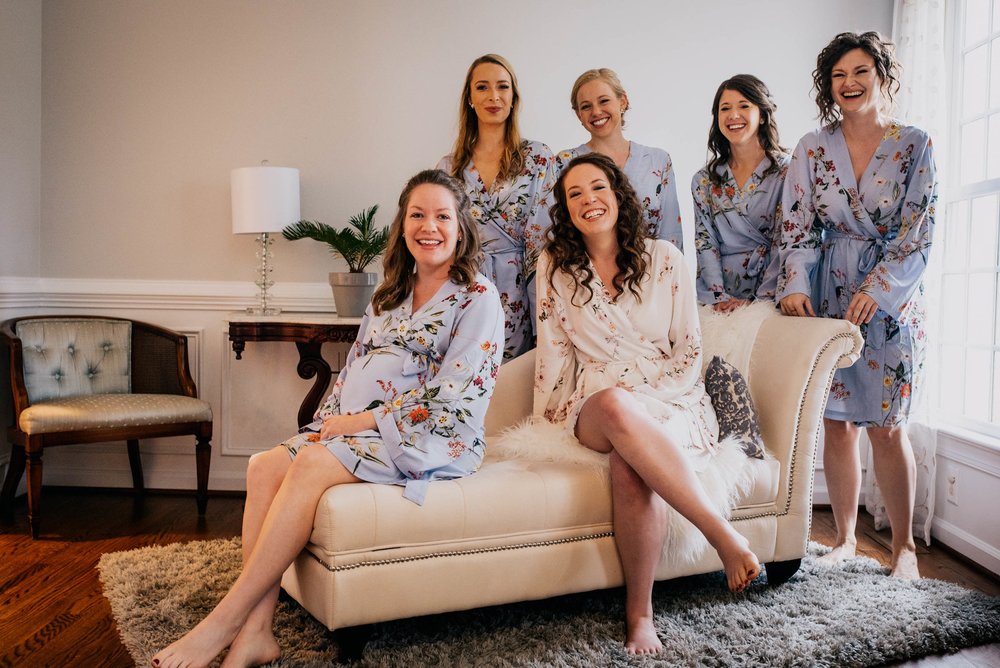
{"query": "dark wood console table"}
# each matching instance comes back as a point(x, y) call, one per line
point(308, 332)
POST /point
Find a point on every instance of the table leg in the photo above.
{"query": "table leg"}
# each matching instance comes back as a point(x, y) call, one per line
point(311, 363)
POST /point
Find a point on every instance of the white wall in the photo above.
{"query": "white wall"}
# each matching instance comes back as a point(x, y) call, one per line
point(128, 117)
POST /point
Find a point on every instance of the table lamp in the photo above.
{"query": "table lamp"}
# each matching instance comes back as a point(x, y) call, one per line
point(265, 200)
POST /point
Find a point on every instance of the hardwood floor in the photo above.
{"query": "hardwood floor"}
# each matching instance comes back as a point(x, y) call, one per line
point(54, 613)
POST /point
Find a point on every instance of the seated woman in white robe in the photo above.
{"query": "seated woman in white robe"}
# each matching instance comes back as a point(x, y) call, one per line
point(619, 365)
point(407, 408)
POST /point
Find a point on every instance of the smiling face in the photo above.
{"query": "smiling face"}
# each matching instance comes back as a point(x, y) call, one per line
point(739, 119)
point(855, 84)
point(491, 93)
point(600, 109)
point(430, 228)
point(590, 201)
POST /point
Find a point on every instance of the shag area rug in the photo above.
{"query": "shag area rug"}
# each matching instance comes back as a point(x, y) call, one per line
point(849, 616)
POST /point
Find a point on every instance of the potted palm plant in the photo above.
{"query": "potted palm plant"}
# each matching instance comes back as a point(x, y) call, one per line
point(359, 244)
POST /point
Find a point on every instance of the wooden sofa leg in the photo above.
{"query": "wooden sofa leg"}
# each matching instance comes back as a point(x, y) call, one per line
point(135, 463)
point(203, 459)
point(778, 572)
point(34, 468)
point(15, 469)
point(352, 641)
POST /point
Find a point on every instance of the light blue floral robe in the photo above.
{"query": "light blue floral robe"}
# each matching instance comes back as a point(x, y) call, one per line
point(839, 238)
point(651, 173)
point(735, 229)
point(513, 219)
point(428, 376)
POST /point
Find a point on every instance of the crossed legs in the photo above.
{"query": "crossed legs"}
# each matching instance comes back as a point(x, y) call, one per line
point(896, 474)
point(282, 496)
point(649, 471)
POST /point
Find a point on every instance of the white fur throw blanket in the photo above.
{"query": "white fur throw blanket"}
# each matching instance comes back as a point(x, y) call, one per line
point(728, 475)
point(731, 335)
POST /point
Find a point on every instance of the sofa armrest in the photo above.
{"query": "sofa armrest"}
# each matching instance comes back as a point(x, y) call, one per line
point(513, 397)
point(791, 370)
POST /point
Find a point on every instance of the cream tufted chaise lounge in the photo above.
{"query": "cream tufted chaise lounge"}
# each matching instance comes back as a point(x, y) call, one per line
point(523, 529)
point(79, 379)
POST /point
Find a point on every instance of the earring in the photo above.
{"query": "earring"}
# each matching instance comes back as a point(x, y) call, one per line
point(472, 106)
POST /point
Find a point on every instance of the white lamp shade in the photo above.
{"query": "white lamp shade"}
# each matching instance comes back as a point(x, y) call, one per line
point(265, 199)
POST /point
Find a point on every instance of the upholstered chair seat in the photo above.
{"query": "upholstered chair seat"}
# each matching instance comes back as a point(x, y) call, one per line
point(79, 379)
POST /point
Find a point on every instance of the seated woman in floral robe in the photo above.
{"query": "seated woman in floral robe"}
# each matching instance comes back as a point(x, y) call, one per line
point(407, 408)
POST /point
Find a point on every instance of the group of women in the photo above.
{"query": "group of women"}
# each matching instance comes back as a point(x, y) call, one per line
point(581, 253)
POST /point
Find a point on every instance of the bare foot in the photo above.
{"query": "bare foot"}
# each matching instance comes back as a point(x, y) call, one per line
point(641, 638)
point(904, 565)
point(198, 647)
point(839, 553)
point(742, 566)
point(252, 649)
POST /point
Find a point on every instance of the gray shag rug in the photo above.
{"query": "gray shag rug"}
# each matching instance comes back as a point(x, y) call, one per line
point(849, 616)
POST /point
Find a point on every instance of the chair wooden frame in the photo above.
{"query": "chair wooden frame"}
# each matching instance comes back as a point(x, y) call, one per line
point(159, 364)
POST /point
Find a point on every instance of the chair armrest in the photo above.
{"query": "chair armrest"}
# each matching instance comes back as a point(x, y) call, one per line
point(14, 359)
point(791, 370)
point(160, 361)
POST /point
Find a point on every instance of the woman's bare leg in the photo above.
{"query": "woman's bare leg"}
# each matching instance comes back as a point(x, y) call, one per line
point(282, 536)
point(640, 517)
point(255, 644)
point(842, 468)
point(896, 473)
point(613, 420)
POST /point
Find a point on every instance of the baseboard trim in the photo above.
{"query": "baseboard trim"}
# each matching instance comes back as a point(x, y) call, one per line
point(966, 544)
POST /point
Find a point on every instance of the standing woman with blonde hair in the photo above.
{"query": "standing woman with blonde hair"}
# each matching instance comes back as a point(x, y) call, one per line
point(858, 205)
point(508, 179)
point(600, 103)
point(737, 197)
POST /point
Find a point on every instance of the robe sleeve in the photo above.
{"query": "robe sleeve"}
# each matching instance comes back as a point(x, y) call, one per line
point(895, 277)
point(683, 371)
point(799, 248)
point(427, 427)
point(555, 362)
point(670, 208)
point(710, 283)
point(769, 281)
point(544, 172)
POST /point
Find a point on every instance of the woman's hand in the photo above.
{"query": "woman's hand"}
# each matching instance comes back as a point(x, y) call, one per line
point(861, 310)
point(797, 303)
point(729, 305)
point(338, 425)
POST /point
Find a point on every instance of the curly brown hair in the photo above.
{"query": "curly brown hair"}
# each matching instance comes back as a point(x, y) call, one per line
point(881, 50)
point(398, 263)
point(515, 148)
point(565, 244)
point(757, 93)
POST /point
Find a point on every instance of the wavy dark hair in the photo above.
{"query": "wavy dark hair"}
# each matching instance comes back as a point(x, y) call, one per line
point(757, 93)
point(882, 51)
point(514, 154)
point(565, 244)
point(398, 263)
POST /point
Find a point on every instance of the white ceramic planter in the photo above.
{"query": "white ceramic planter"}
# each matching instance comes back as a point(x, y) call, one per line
point(352, 292)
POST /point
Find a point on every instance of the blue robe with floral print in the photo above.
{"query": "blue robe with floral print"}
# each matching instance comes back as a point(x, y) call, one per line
point(428, 377)
point(513, 218)
point(651, 173)
point(735, 231)
point(840, 237)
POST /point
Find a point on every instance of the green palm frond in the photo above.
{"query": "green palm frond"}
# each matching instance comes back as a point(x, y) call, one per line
point(358, 244)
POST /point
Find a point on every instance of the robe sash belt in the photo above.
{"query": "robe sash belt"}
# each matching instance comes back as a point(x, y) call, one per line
point(871, 255)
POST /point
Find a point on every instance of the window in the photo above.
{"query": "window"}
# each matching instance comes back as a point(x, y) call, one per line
point(969, 334)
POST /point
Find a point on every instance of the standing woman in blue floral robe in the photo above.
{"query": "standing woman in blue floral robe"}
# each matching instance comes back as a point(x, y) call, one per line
point(407, 408)
point(600, 103)
point(509, 180)
point(737, 197)
point(859, 203)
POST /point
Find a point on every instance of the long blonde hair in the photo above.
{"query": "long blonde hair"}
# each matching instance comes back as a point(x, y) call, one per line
point(398, 263)
point(512, 160)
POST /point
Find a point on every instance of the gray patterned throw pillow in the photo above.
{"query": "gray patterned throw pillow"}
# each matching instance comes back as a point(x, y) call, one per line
point(731, 399)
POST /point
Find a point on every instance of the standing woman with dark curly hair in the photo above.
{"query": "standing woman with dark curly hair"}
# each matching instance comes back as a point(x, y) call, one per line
point(859, 205)
point(407, 408)
point(618, 365)
point(737, 197)
point(508, 180)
